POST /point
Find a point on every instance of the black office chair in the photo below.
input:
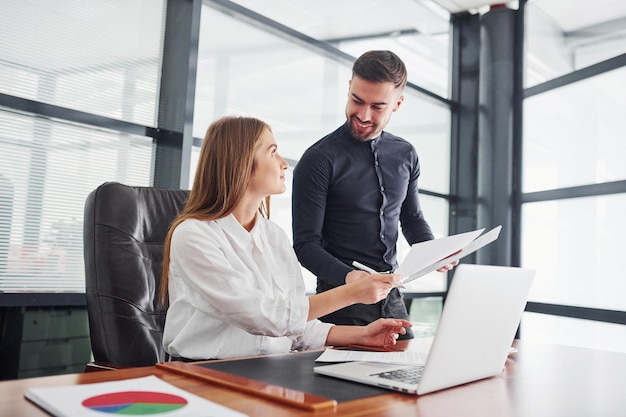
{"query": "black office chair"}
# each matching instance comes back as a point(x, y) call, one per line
point(124, 231)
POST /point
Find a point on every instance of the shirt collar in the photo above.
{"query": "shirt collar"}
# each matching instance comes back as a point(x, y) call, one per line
point(241, 236)
point(258, 233)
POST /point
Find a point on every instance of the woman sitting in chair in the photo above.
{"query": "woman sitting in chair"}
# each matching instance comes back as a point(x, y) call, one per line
point(230, 275)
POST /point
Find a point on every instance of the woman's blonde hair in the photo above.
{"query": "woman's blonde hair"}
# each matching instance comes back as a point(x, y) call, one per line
point(224, 168)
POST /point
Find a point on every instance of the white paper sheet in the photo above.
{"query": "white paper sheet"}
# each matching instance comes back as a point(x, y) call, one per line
point(423, 254)
point(336, 355)
point(426, 257)
point(83, 400)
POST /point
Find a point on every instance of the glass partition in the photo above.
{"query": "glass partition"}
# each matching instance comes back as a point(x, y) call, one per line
point(417, 30)
point(576, 246)
point(302, 95)
point(574, 135)
point(562, 38)
point(47, 169)
point(97, 57)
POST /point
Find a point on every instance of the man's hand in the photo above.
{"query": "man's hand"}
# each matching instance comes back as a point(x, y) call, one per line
point(448, 267)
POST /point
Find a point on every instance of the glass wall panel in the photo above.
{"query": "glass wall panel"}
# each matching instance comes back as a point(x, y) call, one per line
point(427, 126)
point(576, 247)
point(302, 95)
point(418, 31)
point(568, 331)
point(47, 169)
point(562, 38)
point(576, 135)
point(98, 57)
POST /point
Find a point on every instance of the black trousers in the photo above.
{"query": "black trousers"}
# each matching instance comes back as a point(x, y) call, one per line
point(363, 314)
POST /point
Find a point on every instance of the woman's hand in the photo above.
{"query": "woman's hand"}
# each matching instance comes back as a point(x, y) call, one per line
point(368, 288)
point(383, 332)
point(363, 288)
point(356, 274)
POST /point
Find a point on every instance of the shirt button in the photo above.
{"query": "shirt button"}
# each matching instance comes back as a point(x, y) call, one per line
point(376, 162)
point(382, 188)
point(382, 213)
point(382, 237)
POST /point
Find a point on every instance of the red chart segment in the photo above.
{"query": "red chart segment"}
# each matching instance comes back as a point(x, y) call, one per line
point(135, 402)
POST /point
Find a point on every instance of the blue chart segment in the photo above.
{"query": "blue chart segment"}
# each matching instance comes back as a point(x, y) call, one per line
point(137, 403)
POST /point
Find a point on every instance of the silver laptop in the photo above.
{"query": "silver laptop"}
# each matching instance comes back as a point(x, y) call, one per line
point(473, 339)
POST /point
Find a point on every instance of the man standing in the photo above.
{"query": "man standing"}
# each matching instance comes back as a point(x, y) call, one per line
point(353, 187)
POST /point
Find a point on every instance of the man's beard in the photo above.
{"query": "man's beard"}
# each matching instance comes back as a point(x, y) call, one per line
point(370, 132)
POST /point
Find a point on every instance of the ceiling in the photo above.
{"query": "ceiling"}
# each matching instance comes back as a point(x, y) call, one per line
point(26, 21)
point(570, 15)
point(377, 15)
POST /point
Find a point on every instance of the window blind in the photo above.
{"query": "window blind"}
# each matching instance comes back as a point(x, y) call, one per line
point(94, 56)
point(102, 58)
point(47, 169)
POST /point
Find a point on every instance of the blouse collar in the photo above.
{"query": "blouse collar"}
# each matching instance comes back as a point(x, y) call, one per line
point(241, 236)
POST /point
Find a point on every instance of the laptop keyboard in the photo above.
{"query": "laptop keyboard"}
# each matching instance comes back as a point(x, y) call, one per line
point(410, 375)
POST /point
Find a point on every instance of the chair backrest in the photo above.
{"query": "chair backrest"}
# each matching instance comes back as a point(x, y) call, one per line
point(124, 231)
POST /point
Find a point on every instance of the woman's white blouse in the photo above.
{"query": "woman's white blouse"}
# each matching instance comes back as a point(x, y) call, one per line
point(236, 293)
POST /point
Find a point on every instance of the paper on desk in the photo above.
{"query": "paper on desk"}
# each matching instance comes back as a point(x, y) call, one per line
point(428, 256)
point(336, 355)
point(148, 395)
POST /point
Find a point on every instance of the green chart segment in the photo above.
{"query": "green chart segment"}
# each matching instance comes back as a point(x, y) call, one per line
point(135, 403)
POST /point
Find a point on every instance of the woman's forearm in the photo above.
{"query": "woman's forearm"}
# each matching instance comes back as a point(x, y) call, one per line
point(328, 301)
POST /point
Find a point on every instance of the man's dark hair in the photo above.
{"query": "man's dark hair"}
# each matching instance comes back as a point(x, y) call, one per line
point(380, 67)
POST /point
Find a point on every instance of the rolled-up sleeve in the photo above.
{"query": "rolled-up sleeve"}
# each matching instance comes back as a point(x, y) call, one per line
point(314, 337)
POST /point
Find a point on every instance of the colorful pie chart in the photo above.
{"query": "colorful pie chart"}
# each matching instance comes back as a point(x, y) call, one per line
point(138, 403)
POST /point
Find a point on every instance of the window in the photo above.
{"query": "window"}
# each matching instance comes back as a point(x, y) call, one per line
point(573, 171)
point(97, 57)
point(99, 60)
point(301, 94)
point(48, 168)
point(418, 31)
point(574, 135)
point(560, 40)
point(576, 248)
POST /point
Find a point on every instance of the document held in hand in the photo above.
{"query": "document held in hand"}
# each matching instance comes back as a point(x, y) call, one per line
point(428, 256)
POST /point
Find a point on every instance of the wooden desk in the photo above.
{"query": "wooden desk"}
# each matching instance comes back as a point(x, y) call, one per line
point(540, 380)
